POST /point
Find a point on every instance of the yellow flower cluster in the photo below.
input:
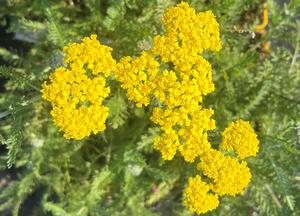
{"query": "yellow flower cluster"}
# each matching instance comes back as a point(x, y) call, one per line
point(137, 77)
point(241, 137)
point(230, 177)
point(197, 197)
point(174, 77)
point(184, 123)
point(192, 127)
point(177, 83)
point(179, 89)
point(187, 35)
point(77, 91)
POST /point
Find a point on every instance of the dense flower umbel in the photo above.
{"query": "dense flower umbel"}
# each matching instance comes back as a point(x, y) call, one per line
point(197, 197)
point(178, 89)
point(241, 137)
point(77, 91)
point(192, 127)
point(174, 77)
point(138, 77)
point(181, 89)
point(187, 34)
point(230, 177)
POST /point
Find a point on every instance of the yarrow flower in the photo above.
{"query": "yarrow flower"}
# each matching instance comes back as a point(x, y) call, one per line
point(187, 35)
point(229, 176)
point(174, 75)
point(197, 196)
point(241, 137)
point(77, 90)
point(174, 78)
point(192, 131)
point(138, 77)
point(179, 89)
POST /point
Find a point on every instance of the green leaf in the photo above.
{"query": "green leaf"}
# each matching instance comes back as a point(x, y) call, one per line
point(117, 110)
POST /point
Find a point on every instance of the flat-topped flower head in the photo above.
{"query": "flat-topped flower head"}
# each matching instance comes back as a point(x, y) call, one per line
point(167, 143)
point(138, 77)
point(197, 198)
point(90, 54)
point(187, 33)
point(77, 91)
point(241, 137)
point(188, 126)
point(174, 75)
point(229, 176)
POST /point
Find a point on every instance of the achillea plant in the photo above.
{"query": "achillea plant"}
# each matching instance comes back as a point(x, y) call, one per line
point(174, 77)
point(151, 109)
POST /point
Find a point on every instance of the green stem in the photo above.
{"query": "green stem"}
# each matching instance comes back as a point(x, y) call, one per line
point(295, 53)
point(8, 112)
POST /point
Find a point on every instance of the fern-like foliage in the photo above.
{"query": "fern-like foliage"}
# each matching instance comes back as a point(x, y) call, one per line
point(117, 110)
point(118, 172)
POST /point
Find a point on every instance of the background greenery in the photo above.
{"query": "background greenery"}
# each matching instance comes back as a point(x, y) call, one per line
point(117, 172)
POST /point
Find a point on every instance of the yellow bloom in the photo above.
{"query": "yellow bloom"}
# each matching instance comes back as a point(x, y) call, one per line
point(137, 77)
point(77, 91)
point(197, 198)
point(191, 130)
point(174, 77)
point(241, 137)
point(90, 54)
point(187, 33)
point(194, 134)
point(179, 87)
point(186, 85)
point(167, 144)
point(230, 177)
